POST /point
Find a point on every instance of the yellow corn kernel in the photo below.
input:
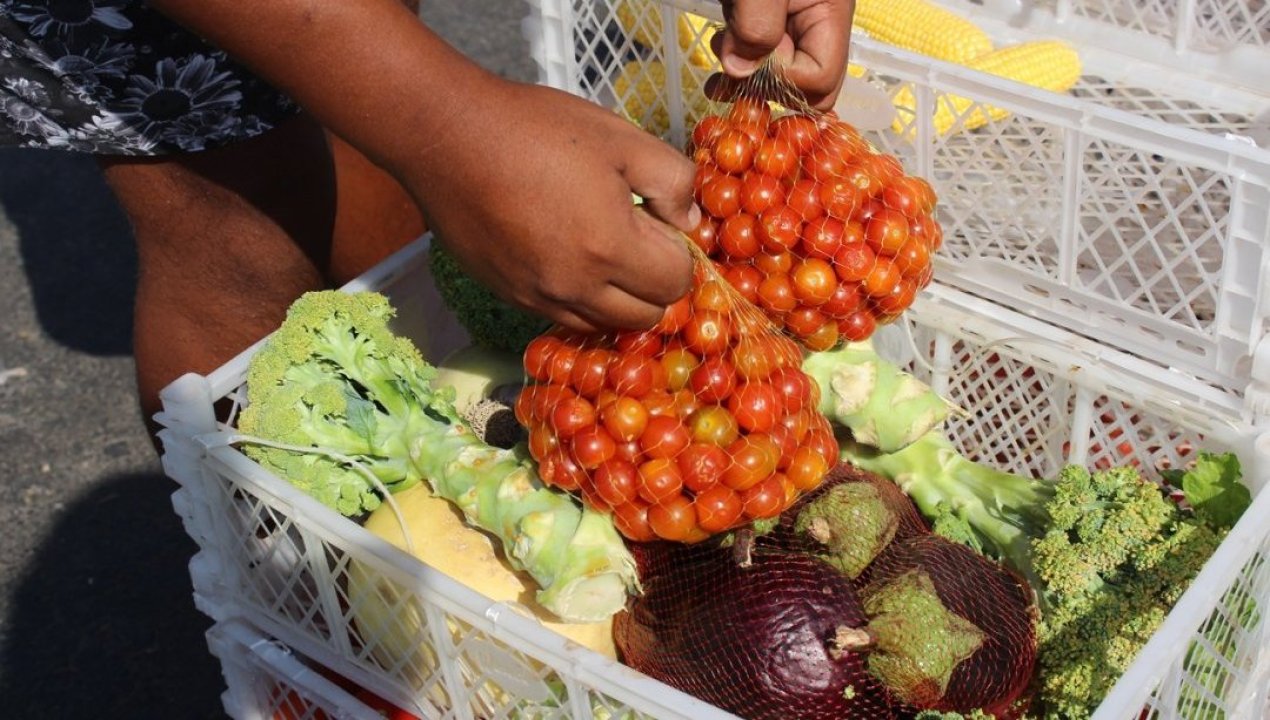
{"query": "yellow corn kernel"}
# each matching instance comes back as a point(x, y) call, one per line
point(1046, 64)
point(641, 19)
point(641, 88)
point(922, 27)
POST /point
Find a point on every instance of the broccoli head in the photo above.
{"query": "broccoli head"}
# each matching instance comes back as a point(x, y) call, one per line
point(488, 319)
point(334, 378)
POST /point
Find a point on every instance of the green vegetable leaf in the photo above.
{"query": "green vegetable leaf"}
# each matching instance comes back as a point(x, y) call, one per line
point(1212, 487)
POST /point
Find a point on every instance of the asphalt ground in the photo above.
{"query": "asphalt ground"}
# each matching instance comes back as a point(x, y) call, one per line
point(96, 616)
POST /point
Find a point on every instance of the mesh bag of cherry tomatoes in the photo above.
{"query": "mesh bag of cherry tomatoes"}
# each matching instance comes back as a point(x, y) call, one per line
point(703, 423)
point(807, 219)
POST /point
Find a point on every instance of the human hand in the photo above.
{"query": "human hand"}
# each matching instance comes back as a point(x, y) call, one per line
point(531, 191)
point(808, 37)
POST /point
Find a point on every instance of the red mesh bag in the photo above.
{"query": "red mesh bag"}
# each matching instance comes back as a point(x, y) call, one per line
point(701, 424)
point(807, 219)
point(781, 631)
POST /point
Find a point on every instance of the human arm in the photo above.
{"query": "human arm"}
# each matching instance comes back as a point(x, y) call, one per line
point(810, 37)
point(529, 187)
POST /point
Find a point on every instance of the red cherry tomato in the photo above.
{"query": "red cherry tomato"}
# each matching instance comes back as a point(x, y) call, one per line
point(708, 333)
point(765, 499)
point(807, 468)
point(713, 425)
point(753, 457)
point(572, 416)
point(814, 281)
point(755, 357)
point(718, 509)
point(659, 480)
point(854, 262)
point(776, 294)
point(678, 364)
point(748, 110)
point(631, 520)
point(804, 199)
point(713, 380)
point(822, 237)
point(756, 406)
point(538, 356)
point(745, 278)
point(886, 232)
point(633, 375)
point(706, 234)
point(799, 131)
point(776, 157)
point(589, 372)
point(857, 326)
point(913, 257)
point(823, 164)
point(803, 321)
point(779, 228)
point(711, 295)
point(841, 197)
point(900, 299)
point(708, 129)
point(675, 519)
point(882, 278)
point(769, 263)
point(625, 419)
point(824, 337)
point(561, 470)
point(677, 314)
point(739, 237)
point(846, 299)
point(794, 387)
point(592, 447)
point(664, 437)
point(760, 192)
point(701, 466)
point(733, 152)
point(721, 196)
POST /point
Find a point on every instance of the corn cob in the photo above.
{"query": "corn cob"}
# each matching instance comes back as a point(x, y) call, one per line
point(922, 27)
point(641, 88)
point(1049, 65)
point(641, 19)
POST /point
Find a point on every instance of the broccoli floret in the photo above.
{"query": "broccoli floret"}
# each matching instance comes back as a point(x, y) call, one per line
point(334, 376)
point(488, 319)
point(1108, 553)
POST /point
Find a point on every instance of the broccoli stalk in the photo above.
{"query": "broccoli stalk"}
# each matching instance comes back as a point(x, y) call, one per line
point(883, 406)
point(334, 378)
point(1108, 553)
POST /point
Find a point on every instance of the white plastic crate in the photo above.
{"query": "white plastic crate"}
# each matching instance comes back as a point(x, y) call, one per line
point(267, 681)
point(276, 558)
point(1134, 211)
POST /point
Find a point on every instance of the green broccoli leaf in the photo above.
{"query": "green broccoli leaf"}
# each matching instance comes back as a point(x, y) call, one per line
point(1212, 486)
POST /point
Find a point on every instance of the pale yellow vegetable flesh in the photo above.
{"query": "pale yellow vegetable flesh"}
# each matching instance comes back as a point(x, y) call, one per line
point(442, 540)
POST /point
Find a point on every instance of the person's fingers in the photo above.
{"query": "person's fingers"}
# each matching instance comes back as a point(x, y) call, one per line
point(663, 177)
point(656, 266)
point(754, 29)
point(821, 33)
point(613, 308)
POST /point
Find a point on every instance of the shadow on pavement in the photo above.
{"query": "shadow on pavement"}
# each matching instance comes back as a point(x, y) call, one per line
point(103, 625)
point(76, 246)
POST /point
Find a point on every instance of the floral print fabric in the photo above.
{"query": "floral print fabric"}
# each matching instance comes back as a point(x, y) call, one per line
point(114, 77)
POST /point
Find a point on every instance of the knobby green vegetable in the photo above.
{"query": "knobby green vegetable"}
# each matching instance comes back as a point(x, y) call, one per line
point(1108, 552)
point(489, 320)
point(337, 382)
point(883, 406)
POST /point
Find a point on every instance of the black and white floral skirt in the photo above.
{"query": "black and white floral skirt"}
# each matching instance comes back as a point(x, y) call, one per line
point(114, 77)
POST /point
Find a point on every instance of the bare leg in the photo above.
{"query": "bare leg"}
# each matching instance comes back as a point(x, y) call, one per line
point(227, 239)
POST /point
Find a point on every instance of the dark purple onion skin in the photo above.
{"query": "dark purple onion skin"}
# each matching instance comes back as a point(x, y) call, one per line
point(754, 640)
point(910, 521)
point(991, 597)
